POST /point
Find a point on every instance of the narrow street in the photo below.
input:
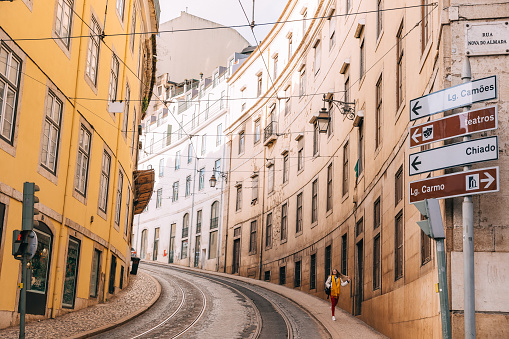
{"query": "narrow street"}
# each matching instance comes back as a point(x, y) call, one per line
point(194, 304)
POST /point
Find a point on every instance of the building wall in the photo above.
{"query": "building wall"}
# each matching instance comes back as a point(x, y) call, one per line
point(407, 265)
point(50, 68)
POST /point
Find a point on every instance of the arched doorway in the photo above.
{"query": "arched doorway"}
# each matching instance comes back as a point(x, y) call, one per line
point(38, 272)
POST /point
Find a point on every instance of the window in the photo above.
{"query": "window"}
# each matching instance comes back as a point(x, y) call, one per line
point(297, 274)
point(133, 30)
point(159, 198)
point(360, 161)
point(254, 194)
point(82, 161)
point(185, 226)
point(161, 167)
point(10, 68)
point(300, 158)
point(284, 222)
point(259, 85)
point(298, 224)
point(302, 82)
point(118, 207)
point(362, 60)
point(379, 17)
point(183, 255)
point(221, 100)
point(258, 131)
point(199, 219)
point(344, 254)
point(189, 153)
point(268, 231)
point(332, 29)
point(330, 125)
point(113, 78)
point(359, 227)
point(288, 100)
point(51, 136)
point(252, 237)
point(328, 260)
point(126, 110)
point(316, 139)
point(282, 275)
point(286, 168)
point(133, 131)
point(304, 23)
point(348, 5)
point(93, 51)
point(104, 182)
point(398, 250)
point(217, 168)
point(243, 100)
point(345, 168)
point(425, 247)
point(156, 244)
point(215, 79)
point(201, 181)
point(290, 46)
point(400, 67)
point(188, 185)
point(312, 272)
point(238, 201)
point(318, 56)
point(241, 142)
point(213, 245)
point(219, 134)
point(230, 66)
point(203, 144)
point(376, 214)
point(329, 187)
point(425, 29)
point(64, 20)
point(399, 185)
point(127, 205)
point(378, 116)
point(120, 8)
point(177, 160)
point(314, 202)
point(96, 270)
point(175, 189)
point(276, 59)
point(266, 276)
point(214, 215)
point(272, 171)
point(376, 262)
point(347, 89)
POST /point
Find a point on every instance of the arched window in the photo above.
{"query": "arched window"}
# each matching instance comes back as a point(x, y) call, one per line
point(185, 225)
point(143, 243)
point(214, 215)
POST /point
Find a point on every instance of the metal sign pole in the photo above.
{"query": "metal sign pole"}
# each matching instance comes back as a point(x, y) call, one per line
point(468, 237)
point(443, 289)
point(23, 295)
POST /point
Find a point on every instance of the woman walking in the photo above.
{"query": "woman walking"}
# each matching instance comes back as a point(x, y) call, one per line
point(334, 283)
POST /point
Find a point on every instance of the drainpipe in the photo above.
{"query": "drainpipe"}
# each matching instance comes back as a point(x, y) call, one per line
point(61, 238)
point(263, 208)
point(219, 233)
point(190, 241)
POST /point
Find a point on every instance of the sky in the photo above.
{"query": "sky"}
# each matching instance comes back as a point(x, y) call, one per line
point(228, 13)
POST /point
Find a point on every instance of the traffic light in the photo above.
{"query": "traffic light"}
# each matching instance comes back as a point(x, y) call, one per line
point(432, 224)
point(29, 199)
point(19, 243)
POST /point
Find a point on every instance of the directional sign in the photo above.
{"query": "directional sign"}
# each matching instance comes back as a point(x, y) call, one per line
point(478, 120)
point(454, 97)
point(458, 154)
point(478, 181)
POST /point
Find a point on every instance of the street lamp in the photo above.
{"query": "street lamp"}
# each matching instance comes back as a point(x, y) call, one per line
point(322, 120)
point(213, 179)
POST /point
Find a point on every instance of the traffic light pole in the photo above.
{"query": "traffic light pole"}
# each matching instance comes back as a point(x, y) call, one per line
point(443, 289)
point(23, 295)
point(468, 238)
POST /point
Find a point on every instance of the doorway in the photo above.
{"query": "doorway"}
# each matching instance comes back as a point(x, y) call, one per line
point(197, 251)
point(359, 278)
point(236, 256)
point(113, 271)
point(171, 249)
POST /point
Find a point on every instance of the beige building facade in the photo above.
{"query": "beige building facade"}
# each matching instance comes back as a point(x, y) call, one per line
point(299, 203)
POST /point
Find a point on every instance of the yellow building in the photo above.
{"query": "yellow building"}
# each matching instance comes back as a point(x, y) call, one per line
point(62, 63)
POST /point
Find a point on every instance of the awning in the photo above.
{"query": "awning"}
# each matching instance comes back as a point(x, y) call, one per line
point(143, 188)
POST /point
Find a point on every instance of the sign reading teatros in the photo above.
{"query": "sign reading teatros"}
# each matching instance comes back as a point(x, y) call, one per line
point(458, 154)
point(487, 38)
point(454, 97)
point(478, 181)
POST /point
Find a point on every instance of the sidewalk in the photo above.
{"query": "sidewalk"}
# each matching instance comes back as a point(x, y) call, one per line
point(142, 292)
point(345, 326)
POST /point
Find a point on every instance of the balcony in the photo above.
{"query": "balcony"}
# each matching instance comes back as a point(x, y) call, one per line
point(185, 232)
point(214, 222)
point(270, 135)
point(198, 227)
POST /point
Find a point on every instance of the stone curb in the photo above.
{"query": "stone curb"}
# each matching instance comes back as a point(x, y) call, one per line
point(320, 317)
point(125, 319)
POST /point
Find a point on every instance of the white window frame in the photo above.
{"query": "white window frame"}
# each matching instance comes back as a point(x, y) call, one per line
point(118, 207)
point(51, 135)
point(82, 160)
point(104, 183)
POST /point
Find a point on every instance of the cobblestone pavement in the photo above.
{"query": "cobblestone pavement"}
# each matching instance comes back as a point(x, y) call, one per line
point(141, 290)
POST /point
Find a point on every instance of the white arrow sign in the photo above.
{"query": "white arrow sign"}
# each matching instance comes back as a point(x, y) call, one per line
point(454, 97)
point(458, 154)
point(489, 180)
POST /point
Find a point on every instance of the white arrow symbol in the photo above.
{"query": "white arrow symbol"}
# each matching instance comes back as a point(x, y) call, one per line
point(489, 180)
point(415, 135)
